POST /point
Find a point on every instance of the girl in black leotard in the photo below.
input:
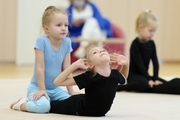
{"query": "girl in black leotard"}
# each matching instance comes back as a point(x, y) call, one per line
point(100, 83)
point(143, 50)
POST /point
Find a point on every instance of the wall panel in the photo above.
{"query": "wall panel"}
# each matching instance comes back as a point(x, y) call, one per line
point(171, 42)
point(20, 25)
point(8, 14)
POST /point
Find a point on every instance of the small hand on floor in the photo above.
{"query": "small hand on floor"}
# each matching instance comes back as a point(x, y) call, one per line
point(156, 82)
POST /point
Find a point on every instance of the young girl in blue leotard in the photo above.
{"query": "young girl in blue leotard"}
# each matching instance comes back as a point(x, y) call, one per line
point(52, 55)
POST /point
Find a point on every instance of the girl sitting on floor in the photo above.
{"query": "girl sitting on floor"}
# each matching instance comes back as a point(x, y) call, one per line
point(142, 51)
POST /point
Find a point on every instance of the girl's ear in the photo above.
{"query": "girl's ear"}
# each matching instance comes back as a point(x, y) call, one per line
point(46, 29)
point(90, 66)
point(140, 27)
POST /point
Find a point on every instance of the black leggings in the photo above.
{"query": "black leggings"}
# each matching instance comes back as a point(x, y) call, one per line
point(139, 83)
point(67, 106)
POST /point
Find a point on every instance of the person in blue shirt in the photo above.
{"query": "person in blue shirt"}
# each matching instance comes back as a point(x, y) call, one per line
point(87, 22)
point(52, 55)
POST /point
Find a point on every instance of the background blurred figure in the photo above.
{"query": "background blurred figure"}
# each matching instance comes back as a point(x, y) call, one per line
point(86, 21)
point(142, 51)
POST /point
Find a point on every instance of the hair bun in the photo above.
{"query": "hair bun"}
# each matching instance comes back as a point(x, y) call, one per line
point(50, 7)
point(147, 10)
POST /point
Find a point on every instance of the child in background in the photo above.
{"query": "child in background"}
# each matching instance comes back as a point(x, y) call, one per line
point(100, 83)
point(143, 50)
point(52, 54)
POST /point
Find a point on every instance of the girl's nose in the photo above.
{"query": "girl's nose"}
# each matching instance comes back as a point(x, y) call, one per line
point(101, 51)
point(63, 27)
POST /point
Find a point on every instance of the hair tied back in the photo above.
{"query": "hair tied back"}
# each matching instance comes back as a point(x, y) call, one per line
point(50, 7)
point(148, 11)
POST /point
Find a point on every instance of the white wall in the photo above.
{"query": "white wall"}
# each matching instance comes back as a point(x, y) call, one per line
point(29, 21)
point(29, 15)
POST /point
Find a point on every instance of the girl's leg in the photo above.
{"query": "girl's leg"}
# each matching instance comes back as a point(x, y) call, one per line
point(162, 80)
point(43, 104)
point(67, 106)
point(170, 87)
point(37, 106)
point(40, 106)
point(136, 83)
point(58, 94)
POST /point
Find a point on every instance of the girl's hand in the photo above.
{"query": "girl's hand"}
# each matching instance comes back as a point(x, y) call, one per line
point(81, 63)
point(119, 59)
point(71, 90)
point(74, 93)
point(151, 83)
point(157, 82)
point(40, 93)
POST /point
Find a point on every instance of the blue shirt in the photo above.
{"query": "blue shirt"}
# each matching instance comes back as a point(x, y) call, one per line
point(53, 60)
point(75, 31)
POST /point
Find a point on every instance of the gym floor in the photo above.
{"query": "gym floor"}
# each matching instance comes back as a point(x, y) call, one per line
point(14, 81)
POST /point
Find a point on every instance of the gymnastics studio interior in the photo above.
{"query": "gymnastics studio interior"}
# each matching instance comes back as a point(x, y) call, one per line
point(20, 24)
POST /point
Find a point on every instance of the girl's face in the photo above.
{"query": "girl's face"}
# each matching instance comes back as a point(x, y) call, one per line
point(58, 26)
point(79, 3)
point(147, 32)
point(98, 55)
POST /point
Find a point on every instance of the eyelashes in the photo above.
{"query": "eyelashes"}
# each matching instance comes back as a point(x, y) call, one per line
point(96, 51)
point(61, 25)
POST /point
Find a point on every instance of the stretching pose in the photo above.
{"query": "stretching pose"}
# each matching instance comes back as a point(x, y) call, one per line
point(100, 83)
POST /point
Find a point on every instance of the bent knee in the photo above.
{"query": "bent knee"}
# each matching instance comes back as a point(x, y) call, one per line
point(43, 107)
point(143, 86)
point(177, 80)
point(38, 106)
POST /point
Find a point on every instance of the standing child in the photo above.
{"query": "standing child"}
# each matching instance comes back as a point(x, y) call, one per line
point(143, 50)
point(52, 54)
point(100, 83)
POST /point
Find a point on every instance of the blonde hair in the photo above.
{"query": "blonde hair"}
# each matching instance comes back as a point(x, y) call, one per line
point(49, 12)
point(87, 56)
point(92, 46)
point(143, 19)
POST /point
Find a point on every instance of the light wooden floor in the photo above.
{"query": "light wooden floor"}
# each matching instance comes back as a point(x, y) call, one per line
point(14, 81)
point(12, 71)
